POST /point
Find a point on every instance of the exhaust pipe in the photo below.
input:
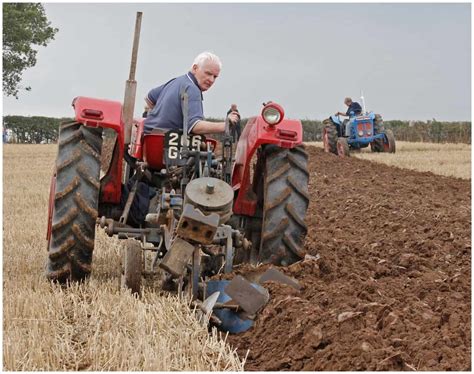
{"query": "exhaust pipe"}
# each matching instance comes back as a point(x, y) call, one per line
point(131, 84)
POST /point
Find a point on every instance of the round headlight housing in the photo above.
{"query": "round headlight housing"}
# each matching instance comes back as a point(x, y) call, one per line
point(361, 133)
point(272, 113)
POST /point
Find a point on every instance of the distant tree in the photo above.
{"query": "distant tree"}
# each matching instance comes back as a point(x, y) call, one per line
point(24, 25)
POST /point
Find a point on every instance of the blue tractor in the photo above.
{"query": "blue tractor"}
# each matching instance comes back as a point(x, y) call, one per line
point(355, 133)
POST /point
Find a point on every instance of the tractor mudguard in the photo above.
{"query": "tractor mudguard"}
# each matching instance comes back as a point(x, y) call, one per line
point(107, 114)
point(336, 120)
point(287, 134)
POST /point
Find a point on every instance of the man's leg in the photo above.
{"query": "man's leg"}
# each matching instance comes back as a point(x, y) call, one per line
point(347, 128)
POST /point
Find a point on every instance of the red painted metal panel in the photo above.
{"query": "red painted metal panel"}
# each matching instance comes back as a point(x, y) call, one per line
point(256, 133)
point(153, 145)
point(108, 114)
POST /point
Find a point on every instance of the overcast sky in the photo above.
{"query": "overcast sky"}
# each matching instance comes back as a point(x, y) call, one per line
point(412, 61)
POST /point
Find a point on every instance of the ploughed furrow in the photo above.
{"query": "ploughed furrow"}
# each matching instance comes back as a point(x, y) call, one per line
point(387, 284)
point(76, 202)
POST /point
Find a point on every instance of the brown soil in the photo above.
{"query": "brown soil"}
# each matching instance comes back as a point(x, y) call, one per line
point(392, 287)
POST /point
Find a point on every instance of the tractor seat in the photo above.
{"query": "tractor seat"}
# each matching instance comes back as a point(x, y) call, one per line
point(153, 145)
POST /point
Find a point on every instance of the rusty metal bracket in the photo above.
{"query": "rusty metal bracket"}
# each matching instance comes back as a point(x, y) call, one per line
point(196, 272)
point(177, 258)
point(223, 237)
point(195, 226)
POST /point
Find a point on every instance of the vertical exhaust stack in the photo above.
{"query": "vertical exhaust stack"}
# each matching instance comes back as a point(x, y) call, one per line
point(131, 84)
point(363, 102)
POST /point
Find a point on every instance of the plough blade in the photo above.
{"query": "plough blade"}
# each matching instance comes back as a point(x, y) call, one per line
point(250, 299)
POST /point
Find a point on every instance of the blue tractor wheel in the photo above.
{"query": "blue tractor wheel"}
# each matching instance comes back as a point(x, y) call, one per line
point(378, 144)
point(389, 142)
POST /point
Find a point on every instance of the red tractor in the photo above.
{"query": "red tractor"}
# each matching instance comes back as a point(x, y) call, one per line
point(187, 199)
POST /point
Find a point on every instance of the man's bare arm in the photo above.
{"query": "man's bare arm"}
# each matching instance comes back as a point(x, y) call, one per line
point(206, 127)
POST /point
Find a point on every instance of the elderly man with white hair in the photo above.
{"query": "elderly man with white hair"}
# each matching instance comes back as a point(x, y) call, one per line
point(164, 102)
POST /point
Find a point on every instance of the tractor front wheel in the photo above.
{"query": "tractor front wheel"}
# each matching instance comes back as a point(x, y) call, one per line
point(285, 201)
point(343, 147)
point(76, 200)
point(329, 136)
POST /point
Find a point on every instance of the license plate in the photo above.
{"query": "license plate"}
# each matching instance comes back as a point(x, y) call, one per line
point(174, 141)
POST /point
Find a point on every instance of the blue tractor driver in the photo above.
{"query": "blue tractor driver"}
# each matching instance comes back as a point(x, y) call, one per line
point(164, 102)
point(354, 109)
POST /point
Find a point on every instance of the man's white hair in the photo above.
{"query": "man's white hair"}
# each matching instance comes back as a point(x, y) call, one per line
point(207, 56)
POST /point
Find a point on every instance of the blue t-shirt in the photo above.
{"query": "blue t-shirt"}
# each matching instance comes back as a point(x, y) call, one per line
point(354, 107)
point(167, 113)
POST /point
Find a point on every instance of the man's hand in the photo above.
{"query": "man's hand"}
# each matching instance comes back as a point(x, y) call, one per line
point(233, 118)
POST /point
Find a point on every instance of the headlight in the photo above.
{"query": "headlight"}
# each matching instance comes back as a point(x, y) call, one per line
point(361, 133)
point(271, 116)
point(272, 113)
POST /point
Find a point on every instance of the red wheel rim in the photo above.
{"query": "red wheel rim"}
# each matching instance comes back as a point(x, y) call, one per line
point(340, 150)
point(326, 140)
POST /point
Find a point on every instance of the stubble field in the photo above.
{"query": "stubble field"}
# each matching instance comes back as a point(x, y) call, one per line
point(390, 290)
point(94, 326)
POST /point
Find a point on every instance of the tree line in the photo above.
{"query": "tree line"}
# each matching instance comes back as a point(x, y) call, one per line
point(37, 129)
point(34, 130)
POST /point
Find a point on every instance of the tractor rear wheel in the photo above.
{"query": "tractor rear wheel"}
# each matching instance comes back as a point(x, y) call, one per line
point(377, 144)
point(329, 136)
point(389, 145)
point(343, 147)
point(285, 201)
point(76, 200)
point(132, 266)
